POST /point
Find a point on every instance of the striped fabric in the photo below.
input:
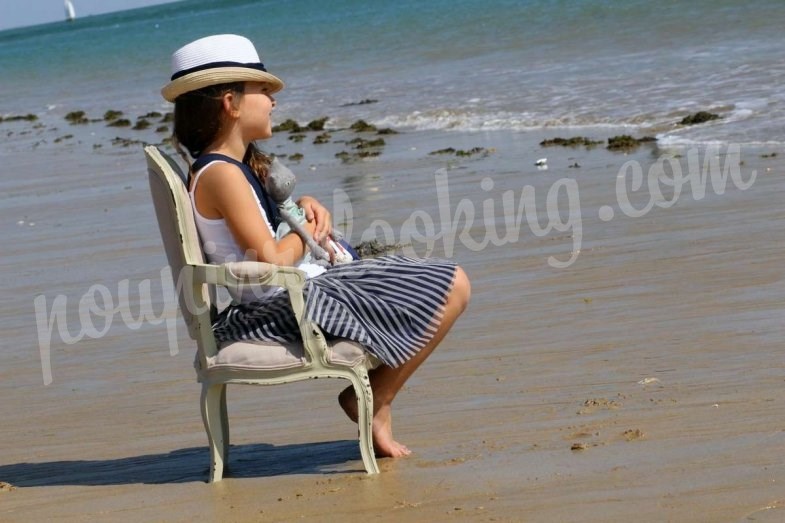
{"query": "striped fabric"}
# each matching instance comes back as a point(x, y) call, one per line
point(392, 305)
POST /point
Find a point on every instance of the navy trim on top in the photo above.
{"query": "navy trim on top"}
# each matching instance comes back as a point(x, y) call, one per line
point(213, 65)
point(270, 208)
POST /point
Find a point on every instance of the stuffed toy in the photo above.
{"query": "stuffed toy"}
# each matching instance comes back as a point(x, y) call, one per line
point(279, 184)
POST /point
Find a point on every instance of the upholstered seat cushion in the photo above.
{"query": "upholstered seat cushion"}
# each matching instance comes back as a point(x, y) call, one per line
point(244, 355)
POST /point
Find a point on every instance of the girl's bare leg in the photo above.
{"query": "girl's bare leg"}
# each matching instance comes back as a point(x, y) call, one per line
point(387, 381)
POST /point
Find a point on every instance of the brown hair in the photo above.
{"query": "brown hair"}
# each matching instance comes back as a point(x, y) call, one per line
point(198, 118)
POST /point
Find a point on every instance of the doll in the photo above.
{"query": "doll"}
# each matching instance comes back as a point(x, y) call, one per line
point(279, 184)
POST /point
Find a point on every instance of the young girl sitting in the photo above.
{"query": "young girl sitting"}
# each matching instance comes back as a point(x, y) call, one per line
point(398, 308)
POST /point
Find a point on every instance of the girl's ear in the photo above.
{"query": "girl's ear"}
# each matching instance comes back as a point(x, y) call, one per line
point(230, 102)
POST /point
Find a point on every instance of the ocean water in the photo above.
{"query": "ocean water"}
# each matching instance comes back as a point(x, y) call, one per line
point(439, 64)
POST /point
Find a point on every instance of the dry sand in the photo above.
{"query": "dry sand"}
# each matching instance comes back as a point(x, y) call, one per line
point(644, 382)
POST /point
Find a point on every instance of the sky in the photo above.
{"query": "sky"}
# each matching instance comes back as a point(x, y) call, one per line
point(21, 13)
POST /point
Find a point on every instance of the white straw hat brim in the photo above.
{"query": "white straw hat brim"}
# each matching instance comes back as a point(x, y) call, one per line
point(218, 75)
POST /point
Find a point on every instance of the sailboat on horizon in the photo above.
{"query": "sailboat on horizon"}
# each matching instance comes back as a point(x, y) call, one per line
point(70, 14)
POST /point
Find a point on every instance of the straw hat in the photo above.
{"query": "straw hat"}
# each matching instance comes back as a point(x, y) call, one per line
point(215, 60)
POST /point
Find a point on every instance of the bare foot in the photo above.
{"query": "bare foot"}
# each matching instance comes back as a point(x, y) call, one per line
point(383, 443)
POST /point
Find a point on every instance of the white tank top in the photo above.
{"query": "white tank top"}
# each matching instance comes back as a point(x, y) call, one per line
point(219, 245)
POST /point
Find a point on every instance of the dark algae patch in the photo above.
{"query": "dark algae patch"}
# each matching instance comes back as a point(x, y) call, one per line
point(289, 125)
point(322, 138)
point(318, 124)
point(361, 143)
point(622, 142)
point(76, 118)
point(120, 122)
point(699, 117)
point(361, 102)
point(361, 126)
point(461, 152)
point(112, 115)
point(575, 141)
point(372, 248)
point(19, 118)
point(625, 142)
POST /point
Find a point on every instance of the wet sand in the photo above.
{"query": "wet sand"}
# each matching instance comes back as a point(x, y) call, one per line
point(643, 382)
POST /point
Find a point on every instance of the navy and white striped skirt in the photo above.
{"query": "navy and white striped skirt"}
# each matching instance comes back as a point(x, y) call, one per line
point(392, 305)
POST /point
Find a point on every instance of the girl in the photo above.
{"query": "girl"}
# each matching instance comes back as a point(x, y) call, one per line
point(398, 308)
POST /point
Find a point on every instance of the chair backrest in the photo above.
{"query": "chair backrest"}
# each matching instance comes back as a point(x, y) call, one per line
point(181, 242)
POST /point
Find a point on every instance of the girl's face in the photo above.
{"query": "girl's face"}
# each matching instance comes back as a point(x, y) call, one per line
point(256, 107)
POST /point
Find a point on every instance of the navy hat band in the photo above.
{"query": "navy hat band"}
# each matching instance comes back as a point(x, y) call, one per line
point(215, 65)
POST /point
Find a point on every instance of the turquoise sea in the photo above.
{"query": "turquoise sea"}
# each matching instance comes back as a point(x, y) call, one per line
point(441, 64)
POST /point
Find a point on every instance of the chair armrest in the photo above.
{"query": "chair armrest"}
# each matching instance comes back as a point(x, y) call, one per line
point(237, 274)
point(241, 274)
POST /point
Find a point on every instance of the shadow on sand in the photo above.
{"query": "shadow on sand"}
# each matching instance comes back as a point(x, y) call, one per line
point(190, 464)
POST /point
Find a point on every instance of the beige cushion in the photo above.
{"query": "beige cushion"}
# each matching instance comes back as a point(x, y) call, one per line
point(276, 356)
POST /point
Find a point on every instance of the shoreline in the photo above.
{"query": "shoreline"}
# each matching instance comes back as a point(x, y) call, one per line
point(643, 379)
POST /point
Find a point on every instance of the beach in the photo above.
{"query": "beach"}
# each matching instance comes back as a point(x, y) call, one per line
point(621, 355)
point(641, 381)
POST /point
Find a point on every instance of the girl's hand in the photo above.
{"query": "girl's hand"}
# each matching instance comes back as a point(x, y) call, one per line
point(329, 248)
point(317, 213)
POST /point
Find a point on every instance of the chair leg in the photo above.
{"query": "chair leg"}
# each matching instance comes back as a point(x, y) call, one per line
point(213, 424)
point(362, 389)
point(225, 425)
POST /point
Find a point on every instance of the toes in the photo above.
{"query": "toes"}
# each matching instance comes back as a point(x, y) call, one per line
point(391, 449)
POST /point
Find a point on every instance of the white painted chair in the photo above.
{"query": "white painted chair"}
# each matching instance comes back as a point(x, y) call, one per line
point(242, 362)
